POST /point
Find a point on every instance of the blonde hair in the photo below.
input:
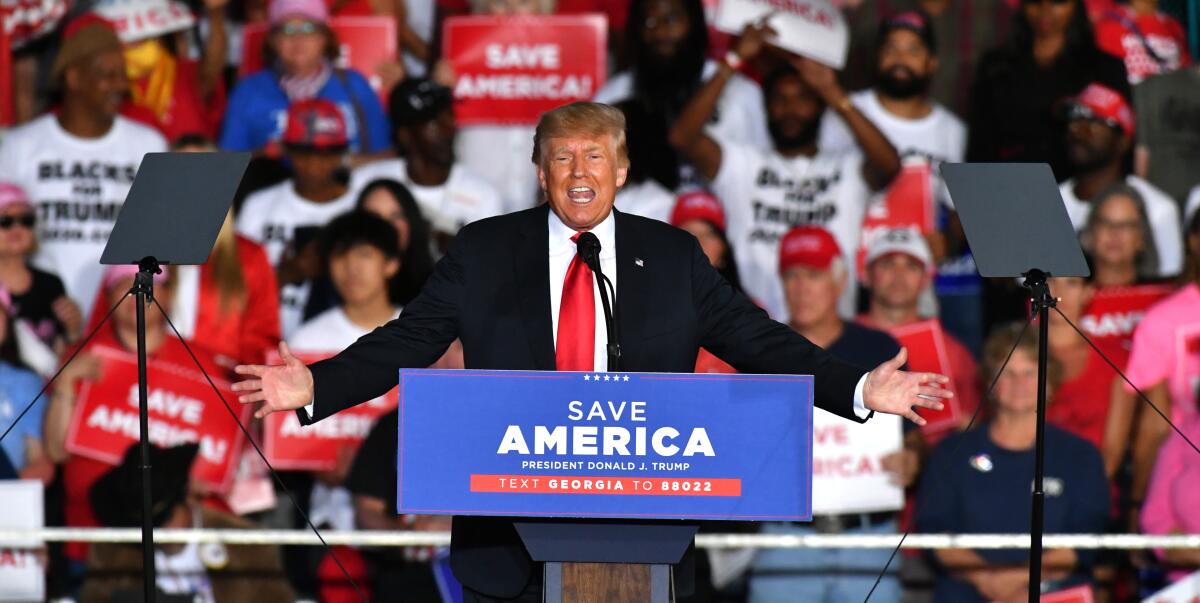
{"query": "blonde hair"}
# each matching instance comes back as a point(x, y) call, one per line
point(1004, 339)
point(582, 118)
point(227, 269)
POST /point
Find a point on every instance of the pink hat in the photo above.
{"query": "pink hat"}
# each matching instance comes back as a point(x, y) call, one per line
point(313, 10)
point(120, 272)
point(11, 194)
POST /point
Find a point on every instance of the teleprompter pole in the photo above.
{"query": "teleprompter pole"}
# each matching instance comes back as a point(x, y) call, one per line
point(143, 290)
point(1036, 281)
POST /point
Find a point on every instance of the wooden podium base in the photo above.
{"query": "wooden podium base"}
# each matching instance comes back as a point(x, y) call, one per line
point(607, 583)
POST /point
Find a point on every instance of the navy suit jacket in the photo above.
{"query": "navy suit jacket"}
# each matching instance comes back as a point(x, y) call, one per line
point(492, 291)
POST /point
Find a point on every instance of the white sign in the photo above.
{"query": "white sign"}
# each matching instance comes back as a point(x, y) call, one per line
point(1186, 590)
point(811, 28)
point(137, 20)
point(848, 475)
point(22, 576)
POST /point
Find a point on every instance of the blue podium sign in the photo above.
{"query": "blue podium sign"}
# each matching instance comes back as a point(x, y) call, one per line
point(622, 445)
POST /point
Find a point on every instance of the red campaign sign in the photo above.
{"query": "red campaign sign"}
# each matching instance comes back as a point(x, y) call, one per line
point(510, 70)
point(364, 43)
point(926, 343)
point(1113, 313)
point(907, 204)
point(289, 445)
point(182, 409)
point(1079, 594)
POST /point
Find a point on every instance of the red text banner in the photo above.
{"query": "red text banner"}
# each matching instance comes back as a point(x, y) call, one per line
point(1114, 312)
point(574, 484)
point(289, 445)
point(927, 352)
point(182, 409)
point(510, 70)
point(364, 43)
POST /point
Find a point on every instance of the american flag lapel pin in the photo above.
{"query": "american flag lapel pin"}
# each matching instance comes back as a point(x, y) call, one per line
point(639, 262)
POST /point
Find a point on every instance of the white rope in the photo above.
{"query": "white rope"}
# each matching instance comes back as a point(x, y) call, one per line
point(17, 538)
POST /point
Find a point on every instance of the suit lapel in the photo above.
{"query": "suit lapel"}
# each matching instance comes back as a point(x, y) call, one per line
point(633, 281)
point(531, 265)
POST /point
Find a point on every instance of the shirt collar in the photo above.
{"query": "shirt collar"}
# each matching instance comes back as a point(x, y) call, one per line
point(560, 235)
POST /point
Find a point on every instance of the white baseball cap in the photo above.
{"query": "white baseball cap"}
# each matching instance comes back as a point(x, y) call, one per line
point(908, 241)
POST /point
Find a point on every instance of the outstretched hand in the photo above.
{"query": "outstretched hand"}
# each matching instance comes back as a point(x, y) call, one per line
point(893, 391)
point(282, 387)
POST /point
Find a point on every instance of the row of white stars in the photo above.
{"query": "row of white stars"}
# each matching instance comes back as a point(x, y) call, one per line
point(606, 377)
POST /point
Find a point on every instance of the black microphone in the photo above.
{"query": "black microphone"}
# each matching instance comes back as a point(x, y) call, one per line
point(588, 248)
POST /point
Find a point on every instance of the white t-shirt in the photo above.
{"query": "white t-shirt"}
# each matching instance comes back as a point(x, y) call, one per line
point(330, 331)
point(271, 217)
point(765, 194)
point(463, 198)
point(648, 199)
point(502, 156)
point(937, 137)
point(78, 186)
point(1162, 211)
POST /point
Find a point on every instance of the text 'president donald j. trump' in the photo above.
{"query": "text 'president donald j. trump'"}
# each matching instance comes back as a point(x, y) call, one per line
point(516, 293)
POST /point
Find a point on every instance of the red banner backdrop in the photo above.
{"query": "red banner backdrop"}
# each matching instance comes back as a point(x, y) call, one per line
point(364, 42)
point(1079, 594)
point(288, 445)
point(926, 343)
point(510, 70)
point(907, 204)
point(182, 409)
point(6, 80)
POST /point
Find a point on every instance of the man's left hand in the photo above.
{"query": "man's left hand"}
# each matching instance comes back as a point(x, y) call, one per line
point(893, 391)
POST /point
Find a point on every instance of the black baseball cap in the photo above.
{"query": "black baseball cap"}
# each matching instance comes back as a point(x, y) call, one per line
point(916, 21)
point(417, 100)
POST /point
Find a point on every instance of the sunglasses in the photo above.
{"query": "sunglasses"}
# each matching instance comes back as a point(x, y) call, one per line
point(1082, 113)
point(26, 220)
point(298, 28)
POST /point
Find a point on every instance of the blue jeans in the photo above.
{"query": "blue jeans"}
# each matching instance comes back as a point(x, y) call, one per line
point(823, 575)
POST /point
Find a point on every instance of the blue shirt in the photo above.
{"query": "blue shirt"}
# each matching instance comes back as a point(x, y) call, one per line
point(973, 486)
point(18, 386)
point(257, 112)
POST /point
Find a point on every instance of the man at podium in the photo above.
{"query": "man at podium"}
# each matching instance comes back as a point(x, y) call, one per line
point(516, 292)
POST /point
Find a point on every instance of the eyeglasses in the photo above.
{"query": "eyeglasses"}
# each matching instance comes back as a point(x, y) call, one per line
point(26, 220)
point(1078, 112)
point(298, 28)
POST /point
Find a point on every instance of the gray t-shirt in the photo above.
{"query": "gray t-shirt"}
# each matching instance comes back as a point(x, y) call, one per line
point(1168, 120)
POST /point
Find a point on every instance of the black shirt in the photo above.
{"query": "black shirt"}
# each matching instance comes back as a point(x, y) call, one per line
point(35, 305)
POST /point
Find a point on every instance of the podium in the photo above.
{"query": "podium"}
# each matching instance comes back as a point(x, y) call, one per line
point(605, 474)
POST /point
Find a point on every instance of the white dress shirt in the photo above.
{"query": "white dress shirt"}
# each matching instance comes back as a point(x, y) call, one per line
point(562, 251)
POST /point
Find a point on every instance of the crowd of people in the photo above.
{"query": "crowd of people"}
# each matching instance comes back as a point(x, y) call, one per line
point(776, 163)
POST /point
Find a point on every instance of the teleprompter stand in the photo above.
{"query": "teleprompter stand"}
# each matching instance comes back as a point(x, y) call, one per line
point(172, 216)
point(1017, 225)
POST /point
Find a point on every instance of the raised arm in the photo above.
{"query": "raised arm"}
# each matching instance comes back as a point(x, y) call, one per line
point(687, 133)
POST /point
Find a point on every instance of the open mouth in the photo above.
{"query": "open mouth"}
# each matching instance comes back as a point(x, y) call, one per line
point(581, 194)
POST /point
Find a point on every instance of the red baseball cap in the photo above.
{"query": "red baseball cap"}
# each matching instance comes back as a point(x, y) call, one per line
point(698, 205)
point(315, 123)
point(808, 246)
point(1105, 104)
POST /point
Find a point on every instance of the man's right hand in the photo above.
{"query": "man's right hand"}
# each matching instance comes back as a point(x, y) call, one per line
point(754, 37)
point(287, 386)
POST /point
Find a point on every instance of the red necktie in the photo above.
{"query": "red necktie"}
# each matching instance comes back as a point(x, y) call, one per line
point(576, 344)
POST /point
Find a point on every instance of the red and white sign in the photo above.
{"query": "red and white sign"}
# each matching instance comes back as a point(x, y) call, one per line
point(141, 19)
point(1113, 312)
point(1078, 594)
point(848, 475)
point(364, 43)
point(1186, 379)
point(926, 343)
point(182, 409)
point(907, 204)
point(510, 70)
point(22, 573)
point(811, 28)
point(290, 445)
point(28, 20)
point(1185, 590)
